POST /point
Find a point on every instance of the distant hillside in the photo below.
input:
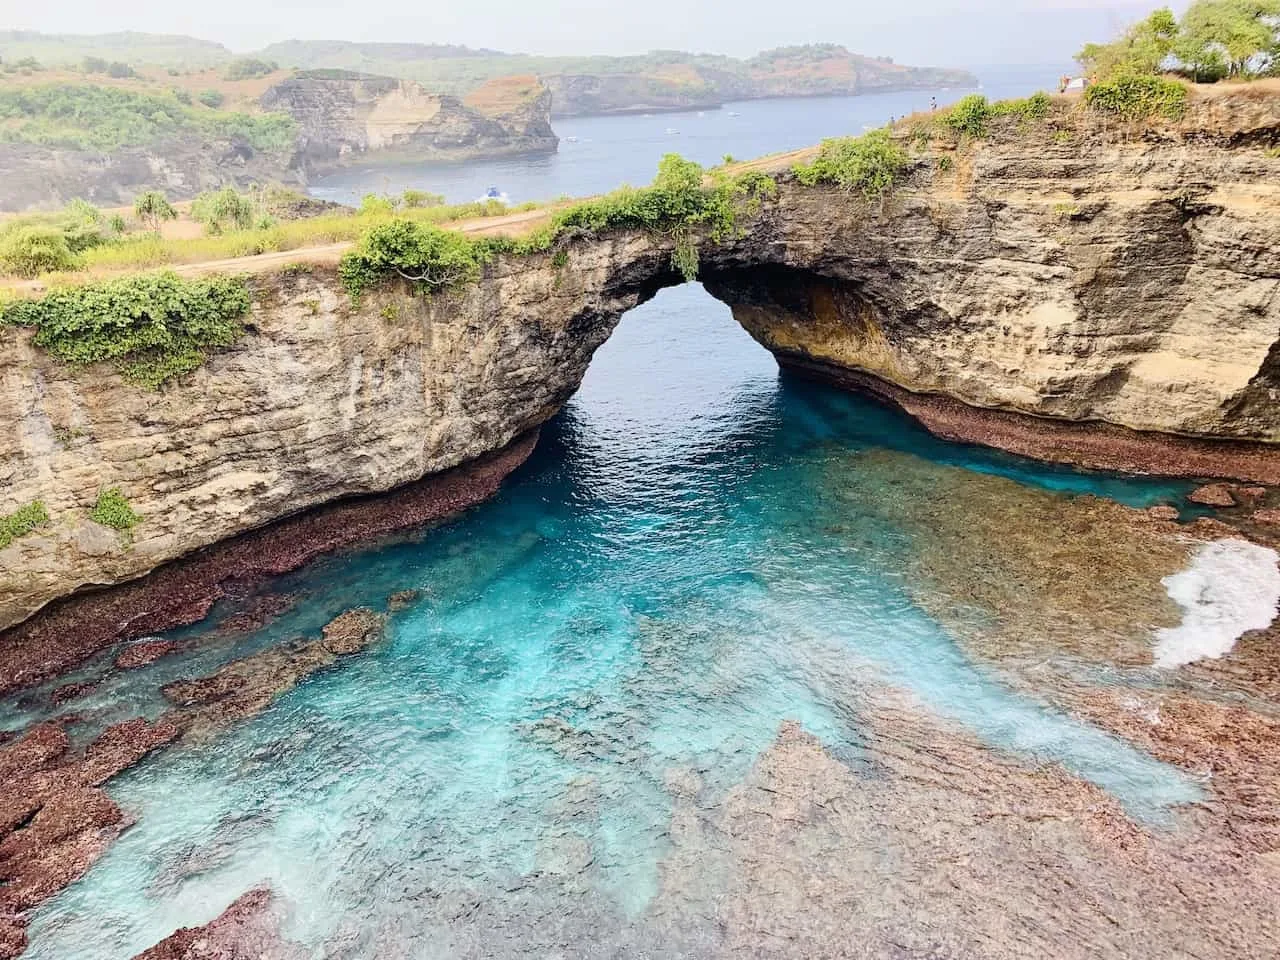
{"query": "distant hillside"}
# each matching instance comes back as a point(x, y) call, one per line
point(580, 85)
point(662, 80)
point(62, 49)
point(66, 134)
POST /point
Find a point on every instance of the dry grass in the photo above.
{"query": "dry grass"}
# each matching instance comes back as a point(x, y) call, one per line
point(503, 95)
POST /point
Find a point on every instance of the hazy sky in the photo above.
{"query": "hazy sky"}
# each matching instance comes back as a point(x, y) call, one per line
point(944, 32)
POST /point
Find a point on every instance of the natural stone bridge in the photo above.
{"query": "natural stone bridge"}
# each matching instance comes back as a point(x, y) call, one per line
point(1083, 298)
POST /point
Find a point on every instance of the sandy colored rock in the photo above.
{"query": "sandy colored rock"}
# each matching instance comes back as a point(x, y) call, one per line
point(1213, 495)
point(352, 631)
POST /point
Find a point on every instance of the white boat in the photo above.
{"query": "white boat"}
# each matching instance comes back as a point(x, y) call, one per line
point(570, 139)
point(494, 195)
point(672, 132)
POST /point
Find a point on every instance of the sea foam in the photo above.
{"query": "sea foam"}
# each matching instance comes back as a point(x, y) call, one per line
point(1230, 588)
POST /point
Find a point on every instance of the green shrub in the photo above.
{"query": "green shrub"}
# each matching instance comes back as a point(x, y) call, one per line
point(375, 204)
point(1034, 107)
point(1138, 98)
point(31, 251)
point(969, 115)
point(427, 256)
point(21, 522)
point(415, 199)
point(869, 164)
point(211, 98)
point(82, 225)
point(113, 510)
point(91, 117)
point(249, 68)
point(222, 209)
point(153, 327)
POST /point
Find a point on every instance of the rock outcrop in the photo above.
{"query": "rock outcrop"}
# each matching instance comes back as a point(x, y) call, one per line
point(349, 118)
point(1068, 289)
point(40, 177)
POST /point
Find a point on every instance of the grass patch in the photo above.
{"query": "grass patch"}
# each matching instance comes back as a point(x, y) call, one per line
point(21, 522)
point(153, 327)
point(113, 510)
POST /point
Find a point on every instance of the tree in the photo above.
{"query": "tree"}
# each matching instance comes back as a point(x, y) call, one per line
point(1239, 33)
point(153, 209)
point(222, 209)
point(1141, 49)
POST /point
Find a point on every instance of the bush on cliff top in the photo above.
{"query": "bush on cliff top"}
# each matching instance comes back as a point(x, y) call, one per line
point(869, 164)
point(972, 115)
point(424, 254)
point(678, 201)
point(21, 522)
point(1138, 98)
point(153, 327)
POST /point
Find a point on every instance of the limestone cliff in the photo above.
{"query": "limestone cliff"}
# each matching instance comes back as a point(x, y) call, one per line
point(1069, 275)
point(350, 118)
point(41, 177)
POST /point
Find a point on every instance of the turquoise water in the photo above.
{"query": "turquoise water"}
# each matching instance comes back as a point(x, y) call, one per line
point(668, 579)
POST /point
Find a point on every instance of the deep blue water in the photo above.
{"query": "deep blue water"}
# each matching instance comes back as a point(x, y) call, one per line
point(598, 154)
point(669, 578)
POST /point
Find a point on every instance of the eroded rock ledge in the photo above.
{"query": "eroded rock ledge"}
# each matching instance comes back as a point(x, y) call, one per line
point(1118, 285)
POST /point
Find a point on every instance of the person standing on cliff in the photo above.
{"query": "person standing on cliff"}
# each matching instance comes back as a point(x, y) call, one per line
point(933, 104)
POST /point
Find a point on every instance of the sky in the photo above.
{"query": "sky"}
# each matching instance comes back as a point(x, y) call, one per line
point(932, 32)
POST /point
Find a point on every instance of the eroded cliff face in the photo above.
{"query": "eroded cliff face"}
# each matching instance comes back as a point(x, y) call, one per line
point(39, 177)
point(1066, 277)
point(347, 118)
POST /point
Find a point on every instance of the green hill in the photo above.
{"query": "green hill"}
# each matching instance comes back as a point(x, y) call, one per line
point(63, 49)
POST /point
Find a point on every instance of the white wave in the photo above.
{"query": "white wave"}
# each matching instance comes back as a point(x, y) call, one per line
point(1230, 588)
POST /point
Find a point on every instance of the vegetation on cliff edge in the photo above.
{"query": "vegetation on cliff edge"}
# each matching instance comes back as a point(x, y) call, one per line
point(21, 522)
point(153, 327)
point(112, 509)
point(869, 164)
point(682, 199)
point(90, 117)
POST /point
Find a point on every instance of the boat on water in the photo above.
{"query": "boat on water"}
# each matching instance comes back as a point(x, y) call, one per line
point(570, 139)
point(494, 195)
point(672, 132)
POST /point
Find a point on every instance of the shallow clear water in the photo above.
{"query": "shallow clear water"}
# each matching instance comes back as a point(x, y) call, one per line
point(667, 580)
point(597, 154)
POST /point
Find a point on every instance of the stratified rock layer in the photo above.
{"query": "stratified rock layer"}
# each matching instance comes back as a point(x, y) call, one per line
point(1066, 275)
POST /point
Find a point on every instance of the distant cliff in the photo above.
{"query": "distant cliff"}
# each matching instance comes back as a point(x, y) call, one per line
point(106, 144)
point(809, 71)
point(347, 118)
point(662, 80)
